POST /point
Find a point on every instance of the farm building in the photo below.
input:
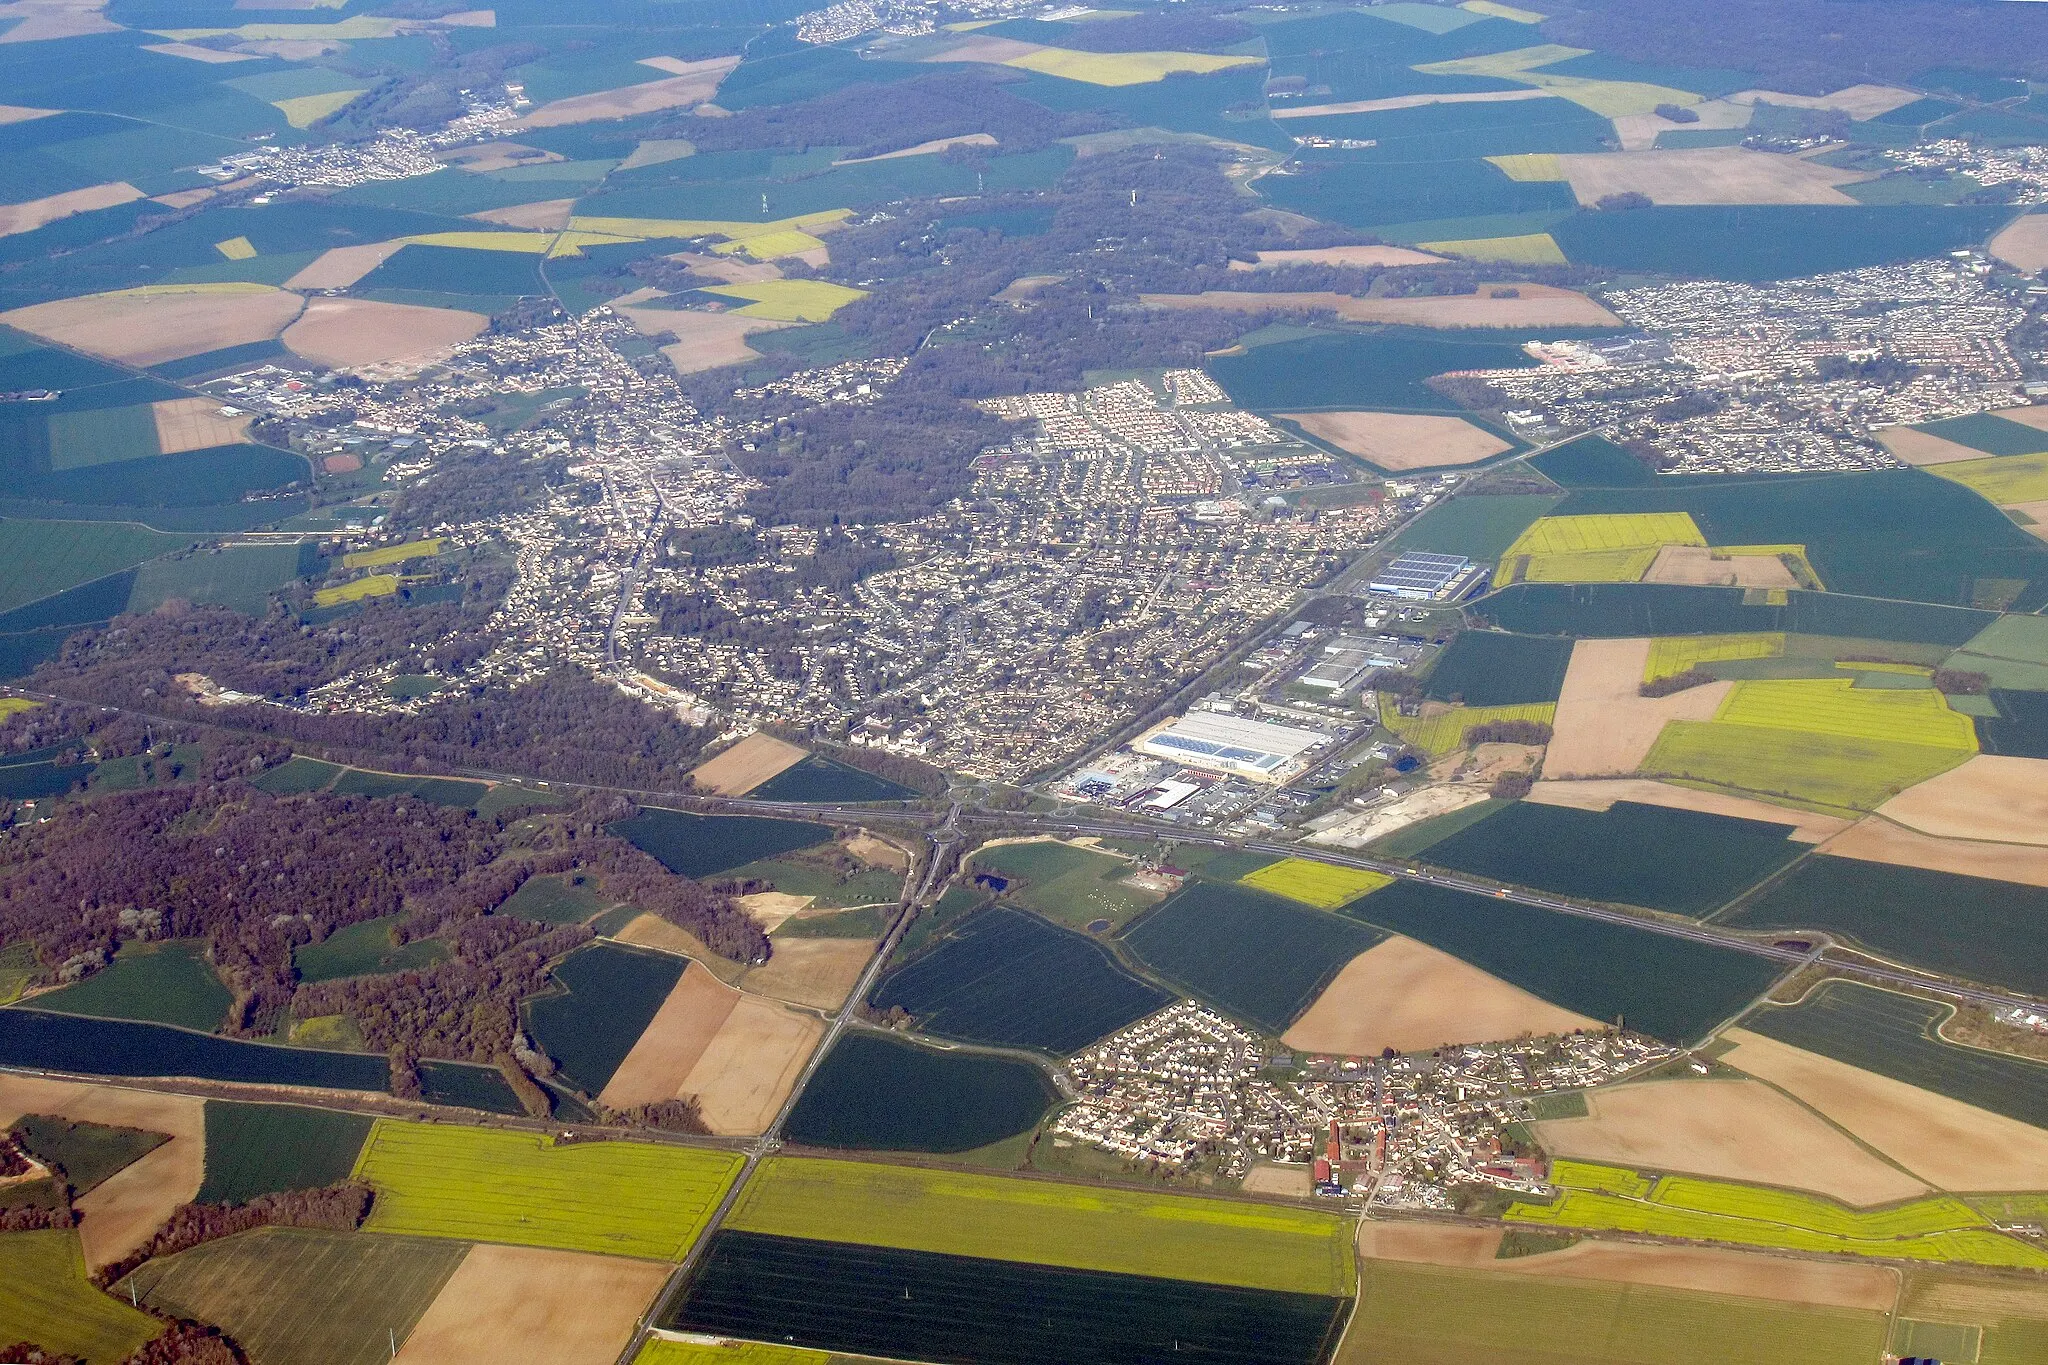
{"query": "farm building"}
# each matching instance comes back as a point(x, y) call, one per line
point(1256, 749)
point(1419, 576)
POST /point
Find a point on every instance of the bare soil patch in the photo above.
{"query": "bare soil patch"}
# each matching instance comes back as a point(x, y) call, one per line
point(501, 156)
point(1732, 1130)
point(1604, 727)
point(140, 328)
point(1638, 132)
point(656, 150)
point(22, 113)
point(1485, 762)
point(1495, 305)
point(1409, 996)
point(977, 48)
point(1397, 441)
point(746, 1073)
point(194, 52)
point(184, 424)
point(1271, 1178)
point(342, 464)
point(937, 144)
point(120, 1214)
point(348, 332)
point(1339, 255)
point(746, 765)
point(1990, 797)
point(1919, 448)
point(652, 931)
point(341, 266)
point(2024, 245)
point(731, 269)
point(1360, 829)
point(2036, 514)
point(45, 19)
point(674, 1039)
point(1860, 102)
point(552, 214)
point(811, 971)
point(695, 83)
point(876, 851)
point(771, 908)
point(703, 341)
point(1407, 102)
point(27, 217)
point(1697, 564)
point(1704, 1269)
point(1878, 840)
point(2035, 417)
point(1951, 1145)
point(1706, 175)
point(1600, 794)
point(529, 1303)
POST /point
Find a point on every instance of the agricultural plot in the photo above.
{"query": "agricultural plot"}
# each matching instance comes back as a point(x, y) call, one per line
point(365, 948)
point(301, 1295)
point(815, 778)
point(1421, 1313)
point(1251, 1246)
point(1769, 241)
point(1990, 433)
point(925, 1305)
point(1067, 885)
point(1612, 610)
point(1937, 1228)
point(509, 1302)
point(1383, 369)
point(622, 1198)
point(1007, 978)
point(1412, 998)
point(165, 983)
point(876, 1092)
point(39, 558)
point(1492, 668)
point(1674, 654)
point(241, 577)
point(1834, 773)
point(1479, 527)
point(1323, 885)
point(88, 1153)
point(89, 1046)
point(1253, 956)
point(254, 1149)
point(610, 995)
point(1840, 709)
point(438, 791)
point(702, 845)
point(1898, 1036)
point(1442, 730)
point(568, 899)
point(50, 1301)
point(1973, 927)
point(1666, 987)
point(1678, 860)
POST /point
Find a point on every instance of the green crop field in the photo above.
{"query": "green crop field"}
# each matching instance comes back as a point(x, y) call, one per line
point(38, 558)
point(1444, 731)
point(1674, 654)
point(239, 576)
point(1434, 1315)
point(1478, 527)
point(2002, 479)
point(1820, 770)
point(568, 899)
point(1494, 668)
point(364, 948)
point(17, 968)
point(1937, 1228)
point(298, 774)
point(304, 1296)
point(254, 1149)
point(1067, 885)
point(87, 1153)
point(159, 983)
point(2012, 1313)
point(1842, 710)
point(624, 1198)
point(48, 1300)
point(79, 440)
point(1323, 885)
point(1255, 1246)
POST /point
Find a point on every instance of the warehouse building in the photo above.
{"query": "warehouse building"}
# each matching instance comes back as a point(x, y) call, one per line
point(1420, 576)
point(1254, 749)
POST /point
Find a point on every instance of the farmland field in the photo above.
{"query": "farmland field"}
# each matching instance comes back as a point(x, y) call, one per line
point(240, 576)
point(254, 1149)
point(302, 1295)
point(1651, 856)
point(1067, 885)
point(1253, 956)
point(1895, 1035)
point(1973, 927)
point(820, 779)
point(1445, 731)
point(1843, 710)
point(297, 775)
point(1989, 433)
point(1674, 654)
point(49, 1301)
point(2003, 480)
point(1937, 1228)
point(1662, 986)
point(364, 948)
point(118, 1047)
point(1478, 527)
point(1011, 979)
point(1613, 610)
point(163, 983)
point(875, 1092)
point(1832, 772)
point(925, 1305)
point(1412, 1314)
point(1252, 1246)
point(38, 558)
point(1382, 369)
point(612, 993)
point(701, 845)
point(1492, 668)
point(439, 791)
point(1323, 885)
point(625, 1198)
point(1768, 242)
point(567, 899)
point(88, 1153)
point(1578, 534)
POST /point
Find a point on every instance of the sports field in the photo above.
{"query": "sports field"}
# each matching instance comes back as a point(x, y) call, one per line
point(391, 554)
point(2003, 479)
point(1322, 885)
point(1445, 731)
point(372, 585)
point(1825, 770)
point(1252, 1246)
point(1671, 655)
point(49, 1301)
point(1937, 1228)
point(626, 1198)
point(1838, 708)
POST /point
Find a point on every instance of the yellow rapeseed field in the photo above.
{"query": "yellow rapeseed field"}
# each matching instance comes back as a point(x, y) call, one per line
point(1610, 531)
point(391, 554)
point(1322, 885)
point(1671, 655)
point(1445, 731)
point(236, 249)
point(1533, 248)
point(1839, 708)
point(374, 585)
point(2003, 479)
point(789, 300)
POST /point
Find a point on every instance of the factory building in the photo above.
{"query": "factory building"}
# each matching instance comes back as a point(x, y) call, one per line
point(1419, 576)
point(1254, 749)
